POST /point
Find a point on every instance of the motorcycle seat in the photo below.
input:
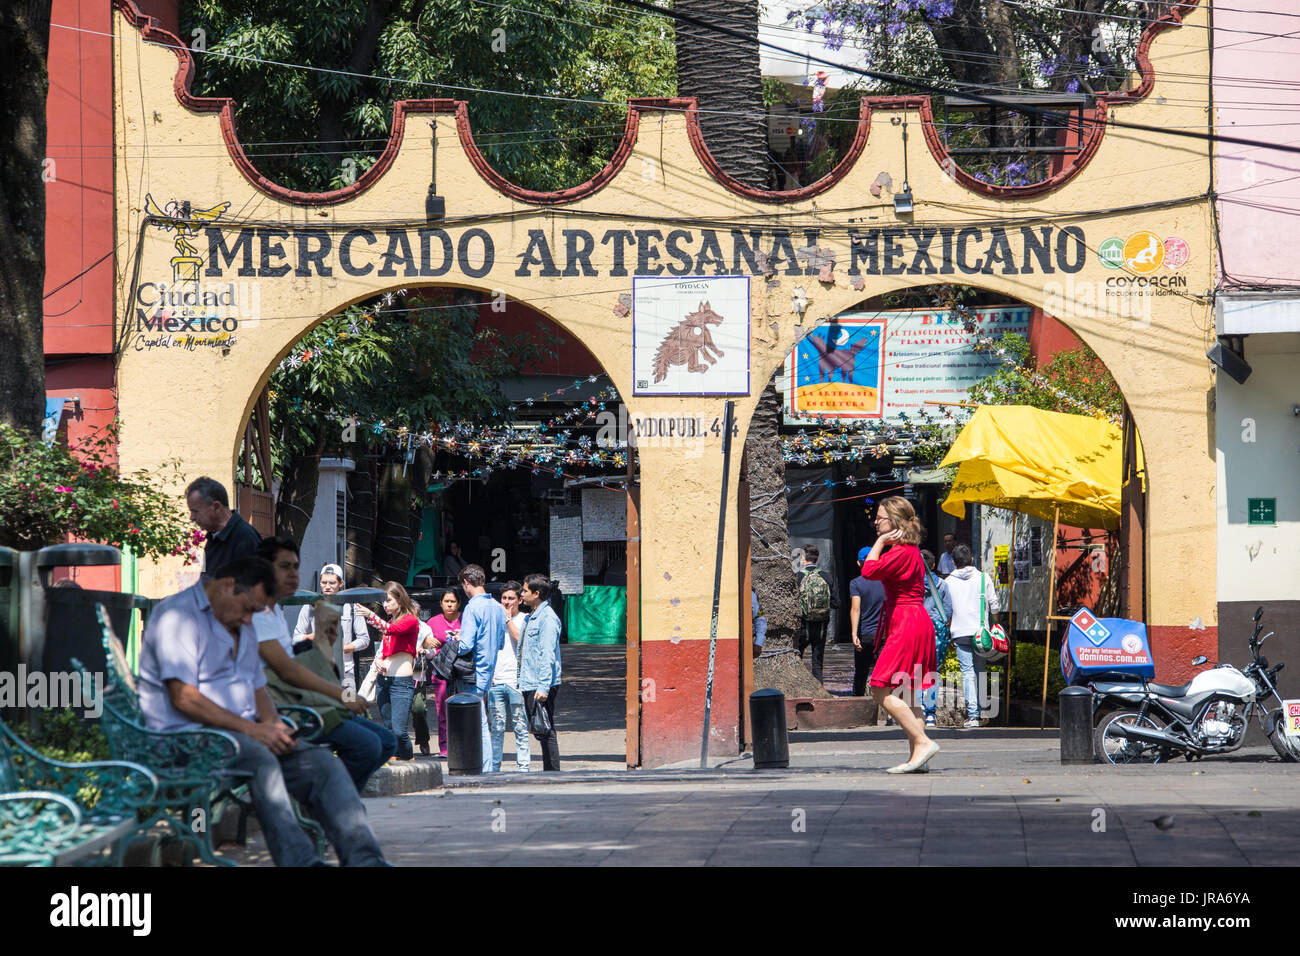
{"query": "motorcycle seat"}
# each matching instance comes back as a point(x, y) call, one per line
point(1167, 690)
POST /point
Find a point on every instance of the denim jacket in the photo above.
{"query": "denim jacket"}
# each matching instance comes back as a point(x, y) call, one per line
point(539, 654)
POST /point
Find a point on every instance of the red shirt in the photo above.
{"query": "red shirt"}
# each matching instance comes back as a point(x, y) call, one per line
point(400, 635)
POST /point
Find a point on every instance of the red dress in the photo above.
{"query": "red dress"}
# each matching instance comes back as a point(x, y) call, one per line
point(905, 627)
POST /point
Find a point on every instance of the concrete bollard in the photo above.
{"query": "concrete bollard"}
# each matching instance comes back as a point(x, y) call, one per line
point(1076, 725)
point(465, 733)
point(771, 739)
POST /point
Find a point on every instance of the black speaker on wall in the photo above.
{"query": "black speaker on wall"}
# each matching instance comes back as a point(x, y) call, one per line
point(1230, 362)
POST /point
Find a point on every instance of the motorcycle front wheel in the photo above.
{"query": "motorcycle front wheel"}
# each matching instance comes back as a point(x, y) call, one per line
point(1287, 747)
point(1111, 747)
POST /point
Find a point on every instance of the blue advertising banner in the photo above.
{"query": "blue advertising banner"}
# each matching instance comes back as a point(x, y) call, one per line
point(886, 365)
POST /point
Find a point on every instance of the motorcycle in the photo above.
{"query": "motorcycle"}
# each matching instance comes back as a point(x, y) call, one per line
point(1207, 715)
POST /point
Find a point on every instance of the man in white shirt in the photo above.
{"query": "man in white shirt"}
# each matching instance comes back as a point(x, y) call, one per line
point(974, 604)
point(504, 699)
point(352, 629)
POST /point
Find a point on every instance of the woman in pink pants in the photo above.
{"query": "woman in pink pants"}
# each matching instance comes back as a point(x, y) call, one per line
point(446, 626)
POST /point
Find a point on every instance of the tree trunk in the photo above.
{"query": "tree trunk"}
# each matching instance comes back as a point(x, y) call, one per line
point(770, 567)
point(394, 542)
point(24, 45)
point(298, 491)
point(722, 73)
point(360, 569)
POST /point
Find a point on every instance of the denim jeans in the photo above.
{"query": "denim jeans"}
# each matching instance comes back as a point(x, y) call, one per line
point(393, 695)
point(469, 687)
point(505, 702)
point(972, 681)
point(363, 745)
point(313, 777)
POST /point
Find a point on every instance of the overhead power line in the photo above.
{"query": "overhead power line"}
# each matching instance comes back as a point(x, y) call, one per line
point(932, 90)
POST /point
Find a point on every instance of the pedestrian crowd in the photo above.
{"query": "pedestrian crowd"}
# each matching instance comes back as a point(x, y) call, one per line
point(905, 610)
point(220, 654)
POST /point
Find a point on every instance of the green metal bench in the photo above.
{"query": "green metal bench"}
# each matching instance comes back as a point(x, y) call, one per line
point(54, 813)
point(197, 781)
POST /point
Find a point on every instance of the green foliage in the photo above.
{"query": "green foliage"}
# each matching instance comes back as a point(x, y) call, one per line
point(48, 492)
point(62, 735)
point(1027, 673)
point(299, 127)
point(1077, 374)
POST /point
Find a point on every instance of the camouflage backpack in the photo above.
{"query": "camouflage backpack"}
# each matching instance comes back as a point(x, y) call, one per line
point(814, 596)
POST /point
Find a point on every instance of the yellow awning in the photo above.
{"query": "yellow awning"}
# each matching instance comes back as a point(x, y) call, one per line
point(1031, 461)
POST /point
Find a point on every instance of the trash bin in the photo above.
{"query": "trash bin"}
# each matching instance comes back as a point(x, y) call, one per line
point(70, 626)
point(465, 733)
point(1076, 725)
point(767, 720)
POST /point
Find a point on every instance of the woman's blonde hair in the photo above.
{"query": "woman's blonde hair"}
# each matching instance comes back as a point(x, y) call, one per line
point(903, 517)
point(404, 603)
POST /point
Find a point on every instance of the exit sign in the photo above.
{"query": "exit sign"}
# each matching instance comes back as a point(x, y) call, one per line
point(1261, 510)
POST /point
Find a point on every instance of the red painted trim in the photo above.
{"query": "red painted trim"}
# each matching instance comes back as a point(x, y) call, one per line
point(1094, 130)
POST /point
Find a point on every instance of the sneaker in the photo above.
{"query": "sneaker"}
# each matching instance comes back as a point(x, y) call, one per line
point(972, 723)
point(930, 721)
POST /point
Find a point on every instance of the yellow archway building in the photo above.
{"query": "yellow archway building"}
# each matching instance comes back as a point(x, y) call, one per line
point(1119, 246)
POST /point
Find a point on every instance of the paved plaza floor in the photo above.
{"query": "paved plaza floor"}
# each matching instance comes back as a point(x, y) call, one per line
point(992, 799)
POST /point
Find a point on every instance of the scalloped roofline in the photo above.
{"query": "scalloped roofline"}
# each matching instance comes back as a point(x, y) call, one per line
point(1094, 129)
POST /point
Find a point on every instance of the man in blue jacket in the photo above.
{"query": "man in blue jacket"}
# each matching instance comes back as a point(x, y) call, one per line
point(482, 630)
point(539, 662)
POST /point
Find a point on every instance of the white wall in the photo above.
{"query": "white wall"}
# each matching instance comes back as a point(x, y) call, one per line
point(1257, 452)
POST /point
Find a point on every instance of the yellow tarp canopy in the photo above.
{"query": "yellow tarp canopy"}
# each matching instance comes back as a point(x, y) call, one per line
point(1031, 461)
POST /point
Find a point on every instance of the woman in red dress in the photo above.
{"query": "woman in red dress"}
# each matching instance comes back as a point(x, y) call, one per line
point(905, 631)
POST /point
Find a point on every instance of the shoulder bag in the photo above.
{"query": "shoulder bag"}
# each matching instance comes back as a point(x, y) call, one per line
point(989, 643)
point(942, 632)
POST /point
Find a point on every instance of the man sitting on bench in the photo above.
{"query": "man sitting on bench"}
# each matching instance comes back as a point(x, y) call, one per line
point(199, 667)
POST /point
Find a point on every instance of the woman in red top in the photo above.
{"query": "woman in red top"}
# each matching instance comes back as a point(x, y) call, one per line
point(905, 630)
point(395, 688)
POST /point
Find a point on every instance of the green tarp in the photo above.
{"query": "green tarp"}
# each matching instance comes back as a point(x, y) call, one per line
point(597, 616)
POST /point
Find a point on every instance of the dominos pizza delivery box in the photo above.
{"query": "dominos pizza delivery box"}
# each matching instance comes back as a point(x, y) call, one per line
point(1108, 645)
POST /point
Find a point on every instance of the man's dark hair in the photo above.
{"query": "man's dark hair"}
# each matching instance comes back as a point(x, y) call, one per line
point(472, 574)
point(248, 572)
point(210, 489)
point(270, 548)
point(961, 556)
point(811, 553)
point(538, 584)
point(949, 534)
point(928, 558)
point(511, 586)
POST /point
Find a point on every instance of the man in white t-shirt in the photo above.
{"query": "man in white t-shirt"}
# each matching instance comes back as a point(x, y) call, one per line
point(504, 699)
point(352, 630)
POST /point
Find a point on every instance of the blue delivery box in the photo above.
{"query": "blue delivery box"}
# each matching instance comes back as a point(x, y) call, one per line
point(1108, 645)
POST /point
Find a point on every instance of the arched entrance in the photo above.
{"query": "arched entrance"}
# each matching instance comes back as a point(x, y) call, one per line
point(590, 258)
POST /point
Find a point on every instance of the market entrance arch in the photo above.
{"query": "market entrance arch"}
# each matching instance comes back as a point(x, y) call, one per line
point(688, 287)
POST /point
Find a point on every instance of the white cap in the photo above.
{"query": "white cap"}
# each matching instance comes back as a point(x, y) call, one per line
point(333, 569)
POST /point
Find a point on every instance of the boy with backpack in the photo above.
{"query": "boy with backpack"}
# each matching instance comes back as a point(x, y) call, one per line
point(815, 602)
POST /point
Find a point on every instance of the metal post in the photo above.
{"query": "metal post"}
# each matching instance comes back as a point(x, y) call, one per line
point(717, 580)
point(1011, 624)
point(1051, 611)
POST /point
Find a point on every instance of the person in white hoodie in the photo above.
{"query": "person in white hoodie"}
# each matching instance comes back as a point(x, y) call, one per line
point(964, 585)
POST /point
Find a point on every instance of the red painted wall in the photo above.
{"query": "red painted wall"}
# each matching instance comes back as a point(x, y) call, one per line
point(79, 261)
point(517, 319)
point(672, 724)
point(1048, 336)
